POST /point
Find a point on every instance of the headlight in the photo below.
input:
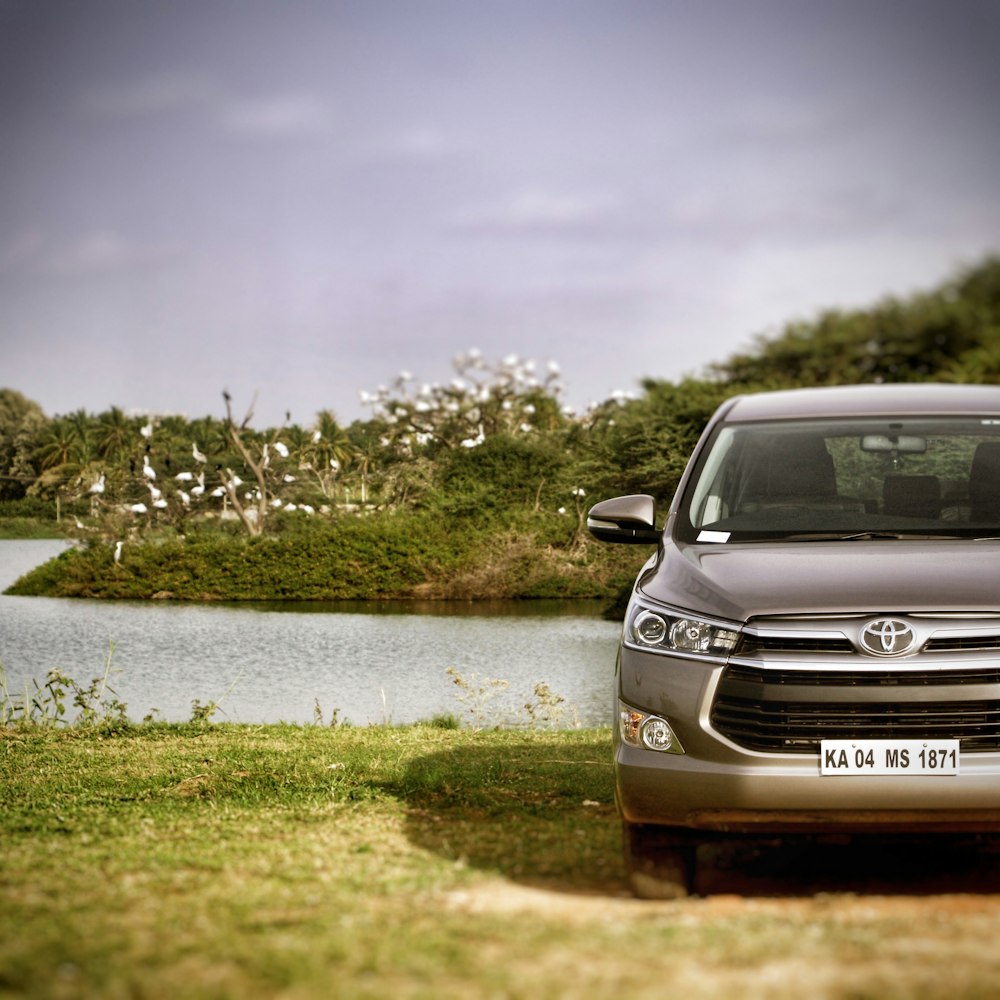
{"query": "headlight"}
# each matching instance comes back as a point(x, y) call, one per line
point(665, 632)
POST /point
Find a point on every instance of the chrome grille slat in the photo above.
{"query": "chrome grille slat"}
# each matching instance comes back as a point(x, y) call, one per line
point(788, 686)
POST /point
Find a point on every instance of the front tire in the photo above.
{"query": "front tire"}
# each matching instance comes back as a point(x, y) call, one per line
point(660, 862)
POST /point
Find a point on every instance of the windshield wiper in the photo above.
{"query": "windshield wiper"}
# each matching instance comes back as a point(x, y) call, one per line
point(862, 536)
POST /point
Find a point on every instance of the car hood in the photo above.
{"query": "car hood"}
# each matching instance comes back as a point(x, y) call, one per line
point(739, 582)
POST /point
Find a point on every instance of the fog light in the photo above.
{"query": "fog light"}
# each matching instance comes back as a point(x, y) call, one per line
point(657, 734)
point(638, 729)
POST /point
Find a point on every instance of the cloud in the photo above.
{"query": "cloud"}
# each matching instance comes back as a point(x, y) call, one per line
point(279, 114)
point(90, 254)
point(152, 97)
point(419, 143)
point(276, 115)
point(539, 213)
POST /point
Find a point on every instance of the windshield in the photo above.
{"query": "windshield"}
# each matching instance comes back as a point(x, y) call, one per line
point(831, 479)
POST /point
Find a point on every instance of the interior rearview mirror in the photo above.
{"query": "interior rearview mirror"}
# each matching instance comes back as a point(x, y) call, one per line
point(894, 442)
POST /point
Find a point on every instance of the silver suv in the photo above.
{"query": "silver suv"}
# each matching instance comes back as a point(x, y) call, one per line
point(815, 645)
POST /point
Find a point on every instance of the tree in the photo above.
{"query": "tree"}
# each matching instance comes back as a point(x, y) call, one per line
point(20, 417)
point(115, 434)
point(328, 452)
point(483, 398)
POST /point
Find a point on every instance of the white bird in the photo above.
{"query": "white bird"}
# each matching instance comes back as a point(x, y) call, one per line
point(317, 437)
point(184, 477)
point(185, 498)
point(118, 552)
point(147, 431)
point(198, 455)
point(160, 504)
point(218, 492)
point(98, 487)
point(138, 508)
point(200, 488)
point(281, 449)
point(289, 478)
point(476, 441)
point(154, 492)
point(147, 470)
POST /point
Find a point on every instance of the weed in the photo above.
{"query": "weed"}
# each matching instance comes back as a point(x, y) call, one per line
point(318, 719)
point(547, 708)
point(202, 712)
point(475, 694)
point(97, 703)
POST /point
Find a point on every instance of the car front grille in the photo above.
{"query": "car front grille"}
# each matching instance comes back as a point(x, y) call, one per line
point(786, 693)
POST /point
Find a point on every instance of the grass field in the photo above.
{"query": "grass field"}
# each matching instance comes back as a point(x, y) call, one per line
point(306, 862)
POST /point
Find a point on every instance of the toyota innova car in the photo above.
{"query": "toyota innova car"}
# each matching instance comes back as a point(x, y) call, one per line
point(814, 647)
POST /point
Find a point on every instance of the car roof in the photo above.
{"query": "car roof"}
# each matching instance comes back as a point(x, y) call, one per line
point(910, 398)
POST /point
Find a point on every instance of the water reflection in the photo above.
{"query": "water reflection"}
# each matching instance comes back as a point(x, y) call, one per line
point(370, 662)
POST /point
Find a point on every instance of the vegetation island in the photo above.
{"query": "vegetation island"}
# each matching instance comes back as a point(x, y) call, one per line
point(475, 488)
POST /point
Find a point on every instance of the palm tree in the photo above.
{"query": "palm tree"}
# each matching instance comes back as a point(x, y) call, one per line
point(115, 435)
point(329, 450)
point(62, 445)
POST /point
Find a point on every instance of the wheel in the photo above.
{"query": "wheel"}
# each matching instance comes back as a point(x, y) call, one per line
point(660, 862)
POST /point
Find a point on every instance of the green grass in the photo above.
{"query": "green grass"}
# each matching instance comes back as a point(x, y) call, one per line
point(20, 528)
point(263, 861)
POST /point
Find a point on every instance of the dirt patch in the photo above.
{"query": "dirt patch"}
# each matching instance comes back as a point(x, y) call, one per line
point(507, 898)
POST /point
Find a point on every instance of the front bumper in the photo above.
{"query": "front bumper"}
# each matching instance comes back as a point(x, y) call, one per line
point(789, 795)
point(719, 785)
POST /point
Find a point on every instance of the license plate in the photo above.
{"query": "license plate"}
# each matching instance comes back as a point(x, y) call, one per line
point(854, 757)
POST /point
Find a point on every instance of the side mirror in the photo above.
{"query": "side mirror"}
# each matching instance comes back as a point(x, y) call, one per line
point(630, 519)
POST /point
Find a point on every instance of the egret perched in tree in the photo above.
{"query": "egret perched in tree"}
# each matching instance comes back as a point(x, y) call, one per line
point(98, 487)
point(200, 488)
point(118, 552)
point(138, 508)
point(281, 449)
point(184, 477)
point(198, 455)
point(147, 470)
point(147, 431)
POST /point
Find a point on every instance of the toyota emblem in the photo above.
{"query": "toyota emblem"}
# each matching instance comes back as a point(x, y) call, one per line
point(887, 637)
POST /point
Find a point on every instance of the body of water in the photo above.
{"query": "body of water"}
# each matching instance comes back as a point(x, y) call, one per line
point(369, 662)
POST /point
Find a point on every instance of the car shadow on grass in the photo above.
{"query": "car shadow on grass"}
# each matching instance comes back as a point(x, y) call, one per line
point(543, 815)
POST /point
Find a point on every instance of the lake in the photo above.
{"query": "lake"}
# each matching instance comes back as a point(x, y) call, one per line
point(369, 662)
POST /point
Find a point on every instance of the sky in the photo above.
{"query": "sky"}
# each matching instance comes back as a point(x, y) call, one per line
point(295, 200)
